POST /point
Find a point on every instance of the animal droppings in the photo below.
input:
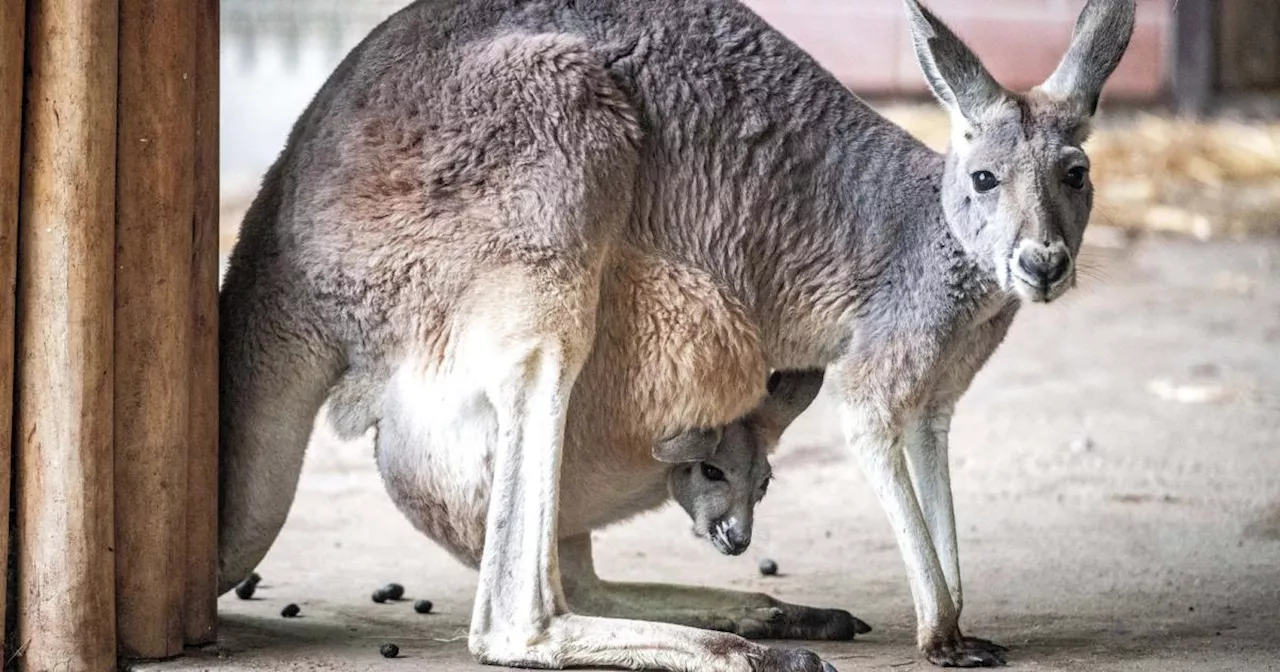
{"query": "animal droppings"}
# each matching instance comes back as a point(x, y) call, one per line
point(290, 610)
point(422, 606)
point(394, 591)
point(254, 578)
point(389, 650)
point(245, 590)
point(380, 595)
point(768, 567)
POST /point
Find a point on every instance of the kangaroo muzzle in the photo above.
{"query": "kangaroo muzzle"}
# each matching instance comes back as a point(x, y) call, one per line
point(730, 536)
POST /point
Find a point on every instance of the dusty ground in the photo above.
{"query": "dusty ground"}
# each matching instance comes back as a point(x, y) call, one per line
point(1117, 475)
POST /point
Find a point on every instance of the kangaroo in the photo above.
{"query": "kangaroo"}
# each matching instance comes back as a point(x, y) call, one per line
point(718, 476)
point(531, 215)
point(720, 493)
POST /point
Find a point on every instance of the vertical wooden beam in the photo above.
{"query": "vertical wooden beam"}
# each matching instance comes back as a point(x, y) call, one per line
point(1248, 46)
point(1191, 79)
point(13, 18)
point(154, 210)
point(66, 592)
point(202, 460)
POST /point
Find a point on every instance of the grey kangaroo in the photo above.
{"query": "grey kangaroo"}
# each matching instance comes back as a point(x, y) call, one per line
point(532, 216)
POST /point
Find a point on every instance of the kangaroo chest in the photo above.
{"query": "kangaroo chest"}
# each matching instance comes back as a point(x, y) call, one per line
point(672, 351)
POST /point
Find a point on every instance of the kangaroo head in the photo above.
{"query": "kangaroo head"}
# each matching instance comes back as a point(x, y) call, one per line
point(721, 474)
point(1016, 190)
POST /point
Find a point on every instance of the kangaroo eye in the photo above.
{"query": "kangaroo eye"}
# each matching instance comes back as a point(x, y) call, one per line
point(984, 181)
point(1075, 177)
point(712, 473)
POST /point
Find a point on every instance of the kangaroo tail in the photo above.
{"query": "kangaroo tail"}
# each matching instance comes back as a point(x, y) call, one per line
point(277, 364)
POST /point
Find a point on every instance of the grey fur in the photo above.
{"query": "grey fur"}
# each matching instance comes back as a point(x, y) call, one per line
point(722, 501)
point(476, 173)
point(955, 75)
point(1100, 39)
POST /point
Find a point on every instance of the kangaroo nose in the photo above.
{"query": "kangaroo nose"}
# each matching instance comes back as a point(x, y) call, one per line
point(738, 540)
point(1046, 266)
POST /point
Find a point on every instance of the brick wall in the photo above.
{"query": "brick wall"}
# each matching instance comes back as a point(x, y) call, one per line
point(866, 44)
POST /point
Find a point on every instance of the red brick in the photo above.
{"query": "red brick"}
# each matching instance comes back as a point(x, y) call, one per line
point(857, 52)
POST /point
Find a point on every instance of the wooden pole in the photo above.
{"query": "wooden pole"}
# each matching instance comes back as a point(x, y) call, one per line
point(66, 588)
point(154, 211)
point(1191, 75)
point(13, 18)
point(202, 460)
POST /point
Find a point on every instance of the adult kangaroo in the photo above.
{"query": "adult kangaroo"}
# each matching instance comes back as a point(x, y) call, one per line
point(562, 231)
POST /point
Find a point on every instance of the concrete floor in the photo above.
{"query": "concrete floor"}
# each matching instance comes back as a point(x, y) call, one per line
point(1117, 480)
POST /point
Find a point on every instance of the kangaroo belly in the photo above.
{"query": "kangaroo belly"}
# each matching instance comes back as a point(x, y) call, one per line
point(436, 446)
point(435, 449)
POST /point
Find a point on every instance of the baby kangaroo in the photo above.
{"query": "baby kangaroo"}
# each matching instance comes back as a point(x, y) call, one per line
point(720, 492)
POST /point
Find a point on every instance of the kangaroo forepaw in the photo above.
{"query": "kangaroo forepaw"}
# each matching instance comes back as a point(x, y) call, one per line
point(966, 652)
point(791, 660)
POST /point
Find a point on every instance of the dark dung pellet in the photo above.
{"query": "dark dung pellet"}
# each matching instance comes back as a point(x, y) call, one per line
point(380, 595)
point(254, 578)
point(389, 650)
point(394, 591)
point(245, 590)
point(768, 567)
point(290, 610)
point(422, 606)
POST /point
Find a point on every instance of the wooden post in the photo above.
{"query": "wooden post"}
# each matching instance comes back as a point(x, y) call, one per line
point(154, 211)
point(66, 572)
point(12, 27)
point(1191, 77)
point(202, 460)
point(1248, 46)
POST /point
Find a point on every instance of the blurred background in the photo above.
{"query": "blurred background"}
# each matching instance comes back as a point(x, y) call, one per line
point(1188, 141)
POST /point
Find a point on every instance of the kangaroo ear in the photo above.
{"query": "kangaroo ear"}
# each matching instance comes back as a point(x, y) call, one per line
point(791, 392)
point(694, 445)
point(953, 71)
point(1100, 39)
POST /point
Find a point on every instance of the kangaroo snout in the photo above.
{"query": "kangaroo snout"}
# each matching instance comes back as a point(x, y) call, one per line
point(1041, 270)
point(730, 536)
